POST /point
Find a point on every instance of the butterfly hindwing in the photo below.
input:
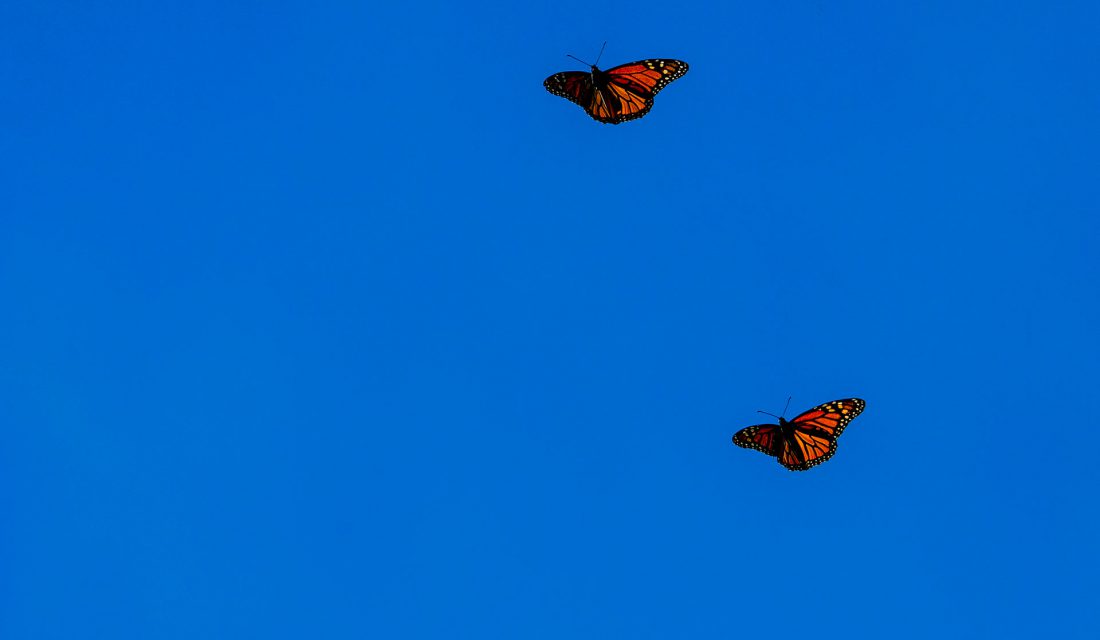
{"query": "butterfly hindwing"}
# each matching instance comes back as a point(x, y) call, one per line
point(624, 104)
point(802, 450)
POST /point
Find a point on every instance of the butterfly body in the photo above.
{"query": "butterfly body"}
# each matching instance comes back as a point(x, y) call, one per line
point(806, 440)
point(599, 78)
point(786, 431)
point(619, 94)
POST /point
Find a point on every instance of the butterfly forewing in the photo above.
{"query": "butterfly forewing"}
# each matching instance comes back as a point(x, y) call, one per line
point(646, 78)
point(575, 86)
point(831, 417)
point(762, 437)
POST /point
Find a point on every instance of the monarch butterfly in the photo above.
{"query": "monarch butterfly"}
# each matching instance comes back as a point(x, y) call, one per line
point(805, 441)
point(619, 94)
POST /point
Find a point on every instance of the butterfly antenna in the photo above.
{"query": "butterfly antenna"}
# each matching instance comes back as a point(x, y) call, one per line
point(601, 53)
point(578, 60)
point(767, 414)
point(786, 406)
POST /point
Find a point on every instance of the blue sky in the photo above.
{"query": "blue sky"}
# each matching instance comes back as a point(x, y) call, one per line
point(331, 322)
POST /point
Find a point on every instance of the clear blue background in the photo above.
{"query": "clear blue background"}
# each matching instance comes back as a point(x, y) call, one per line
point(330, 322)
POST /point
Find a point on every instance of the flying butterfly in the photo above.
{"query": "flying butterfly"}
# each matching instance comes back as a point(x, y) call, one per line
point(619, 94)
point(806, 440)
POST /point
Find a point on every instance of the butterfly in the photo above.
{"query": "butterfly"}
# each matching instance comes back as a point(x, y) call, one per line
point(805, 441)
point(619, 94)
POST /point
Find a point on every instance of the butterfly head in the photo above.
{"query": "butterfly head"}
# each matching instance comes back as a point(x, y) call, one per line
point(782, 421)
point(595, 69)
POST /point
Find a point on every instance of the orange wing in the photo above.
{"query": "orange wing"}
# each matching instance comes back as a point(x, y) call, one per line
point(646, 78)
point(603, 105)
point(762, 437)
point(574, 86)
point(633, 85)
point(831, 417)
point(813, 439)
point(802, 450)
point(618, 105)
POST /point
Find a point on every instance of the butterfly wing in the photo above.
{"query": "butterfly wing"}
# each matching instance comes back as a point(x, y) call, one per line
point(631, 86)
point(831, 417)
point(802, 450)
point(646, 78)
point(575, 86)
point(762, 437)
point(813, 437)
point(611, 106)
